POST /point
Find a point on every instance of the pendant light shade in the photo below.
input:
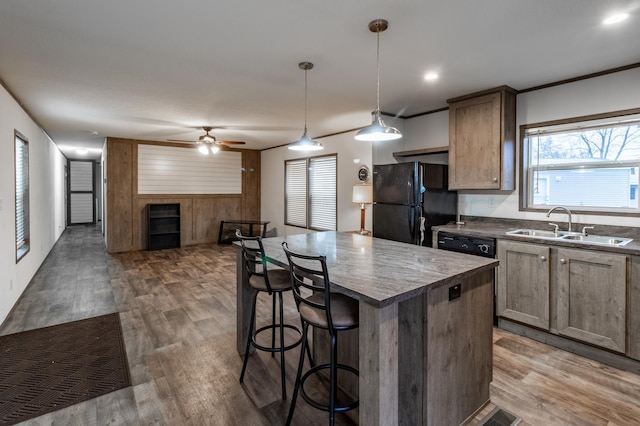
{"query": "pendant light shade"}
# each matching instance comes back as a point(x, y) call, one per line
point(377, 130)
point(305, 143)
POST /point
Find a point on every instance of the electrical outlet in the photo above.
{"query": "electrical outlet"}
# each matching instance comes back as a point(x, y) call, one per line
point(491, 202)
point(0, 204)
point(455, 291)
point(10, 284)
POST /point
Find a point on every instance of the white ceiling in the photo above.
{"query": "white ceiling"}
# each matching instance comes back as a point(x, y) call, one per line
point(158, 69)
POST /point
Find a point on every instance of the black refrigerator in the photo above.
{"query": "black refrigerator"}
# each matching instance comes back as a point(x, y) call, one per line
point(410, 198)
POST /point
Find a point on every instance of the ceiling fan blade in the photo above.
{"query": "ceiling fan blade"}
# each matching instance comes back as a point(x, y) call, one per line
point(180, 140)
point(231, 142)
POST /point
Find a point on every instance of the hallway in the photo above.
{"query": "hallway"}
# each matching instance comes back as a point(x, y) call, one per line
point(177, 309)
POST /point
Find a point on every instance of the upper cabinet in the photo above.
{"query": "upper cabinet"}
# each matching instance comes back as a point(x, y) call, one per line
point(482, 140)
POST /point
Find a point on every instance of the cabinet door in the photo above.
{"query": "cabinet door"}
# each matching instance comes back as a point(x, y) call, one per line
point(475, 143)
point(523, 283)
point(592, 289)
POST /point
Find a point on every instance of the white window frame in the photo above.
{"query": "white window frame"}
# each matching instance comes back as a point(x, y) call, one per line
point(529, 172)
point(21, 186)
point(319, 193)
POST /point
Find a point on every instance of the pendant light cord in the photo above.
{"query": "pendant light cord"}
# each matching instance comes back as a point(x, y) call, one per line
point(305, 100)
point(378, 69)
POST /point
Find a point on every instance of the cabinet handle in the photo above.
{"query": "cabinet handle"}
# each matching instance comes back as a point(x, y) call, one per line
point(563, 261)
point(495, 180)
point(543, 259)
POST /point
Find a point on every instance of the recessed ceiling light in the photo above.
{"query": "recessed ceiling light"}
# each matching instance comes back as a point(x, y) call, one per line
point(82, 151)
point(430, 76)
point(613, 19)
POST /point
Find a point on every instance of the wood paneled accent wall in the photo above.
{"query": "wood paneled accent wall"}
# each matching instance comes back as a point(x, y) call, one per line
point(126, 221)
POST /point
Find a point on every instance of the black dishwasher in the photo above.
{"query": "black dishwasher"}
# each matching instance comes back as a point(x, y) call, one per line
point(479, 246)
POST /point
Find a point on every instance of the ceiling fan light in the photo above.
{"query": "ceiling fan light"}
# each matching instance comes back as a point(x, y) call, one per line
point(377, 131)
point(305, 143)
point(215, 149)
point(204, 149)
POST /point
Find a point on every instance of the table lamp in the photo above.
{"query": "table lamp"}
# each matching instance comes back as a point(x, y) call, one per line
point(363, 194)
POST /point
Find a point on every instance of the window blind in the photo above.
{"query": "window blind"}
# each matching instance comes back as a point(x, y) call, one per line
point(296, 193)
point(311, 192)
point(22, 195)
point(322, 193)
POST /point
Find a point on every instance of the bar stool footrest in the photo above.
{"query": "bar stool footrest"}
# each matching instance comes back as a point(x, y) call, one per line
point(277, 348)
point(316, 370)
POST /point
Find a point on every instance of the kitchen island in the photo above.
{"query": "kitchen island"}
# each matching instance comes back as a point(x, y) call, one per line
point(425, 336)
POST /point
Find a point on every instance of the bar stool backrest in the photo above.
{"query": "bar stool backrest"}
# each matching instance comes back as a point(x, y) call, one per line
point(254, 259)
point(310, 272)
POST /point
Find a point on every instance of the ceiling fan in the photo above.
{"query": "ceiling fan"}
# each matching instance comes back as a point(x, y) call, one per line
point(208, 143)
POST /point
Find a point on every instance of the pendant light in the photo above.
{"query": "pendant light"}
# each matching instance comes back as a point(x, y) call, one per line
point(377, 130)
point(305, 143)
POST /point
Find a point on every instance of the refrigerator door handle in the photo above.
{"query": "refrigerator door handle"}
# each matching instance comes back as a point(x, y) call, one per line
point(412, 222)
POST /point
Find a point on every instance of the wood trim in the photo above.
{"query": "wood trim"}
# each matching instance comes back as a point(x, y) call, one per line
point(582, 77)
point(491, 91)
point(424, 151)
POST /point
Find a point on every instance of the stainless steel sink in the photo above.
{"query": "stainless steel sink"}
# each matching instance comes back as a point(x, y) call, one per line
point(571, 236)
point(598, 239)
point(533, 233)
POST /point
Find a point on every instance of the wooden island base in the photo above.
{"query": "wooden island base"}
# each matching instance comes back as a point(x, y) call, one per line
point(451, 345)
point(424, 344)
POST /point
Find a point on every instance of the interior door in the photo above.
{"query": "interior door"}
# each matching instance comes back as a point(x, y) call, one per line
point(81, 189)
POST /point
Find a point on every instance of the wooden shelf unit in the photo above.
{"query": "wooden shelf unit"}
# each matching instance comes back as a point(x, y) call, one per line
point(163, 226)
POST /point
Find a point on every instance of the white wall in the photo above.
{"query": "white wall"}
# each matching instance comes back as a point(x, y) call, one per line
point(606, 93)
point(272, 178)
point(46, 199)
point(427, 131)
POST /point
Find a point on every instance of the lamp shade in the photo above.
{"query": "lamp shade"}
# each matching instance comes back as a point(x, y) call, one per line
point(363, 194)
point(306, 143)
point(377, 131)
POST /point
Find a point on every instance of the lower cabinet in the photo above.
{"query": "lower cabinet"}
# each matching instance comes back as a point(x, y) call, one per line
point(592, 297)
point(589, 289)
point(523, 283)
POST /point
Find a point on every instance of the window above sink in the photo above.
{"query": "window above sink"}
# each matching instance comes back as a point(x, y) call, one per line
point(590, 164)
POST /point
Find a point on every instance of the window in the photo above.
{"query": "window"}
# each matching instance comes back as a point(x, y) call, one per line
point(310, 193)
point(590, 165)
point(22, 195)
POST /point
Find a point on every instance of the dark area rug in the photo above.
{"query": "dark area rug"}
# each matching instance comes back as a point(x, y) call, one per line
point(50, 368)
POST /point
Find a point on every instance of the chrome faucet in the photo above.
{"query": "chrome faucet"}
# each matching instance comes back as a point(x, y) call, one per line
point(566, 210)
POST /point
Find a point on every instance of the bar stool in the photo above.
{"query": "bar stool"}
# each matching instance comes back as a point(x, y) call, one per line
point(274, 281)
point(323, 309)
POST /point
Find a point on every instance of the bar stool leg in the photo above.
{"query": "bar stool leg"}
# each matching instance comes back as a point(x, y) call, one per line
point(299, 374)
point(251, 328)
point(273, 323)
point(284, 387)
point(334, 379)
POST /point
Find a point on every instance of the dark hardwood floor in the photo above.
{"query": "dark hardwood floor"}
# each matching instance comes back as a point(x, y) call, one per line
point(177, 309)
